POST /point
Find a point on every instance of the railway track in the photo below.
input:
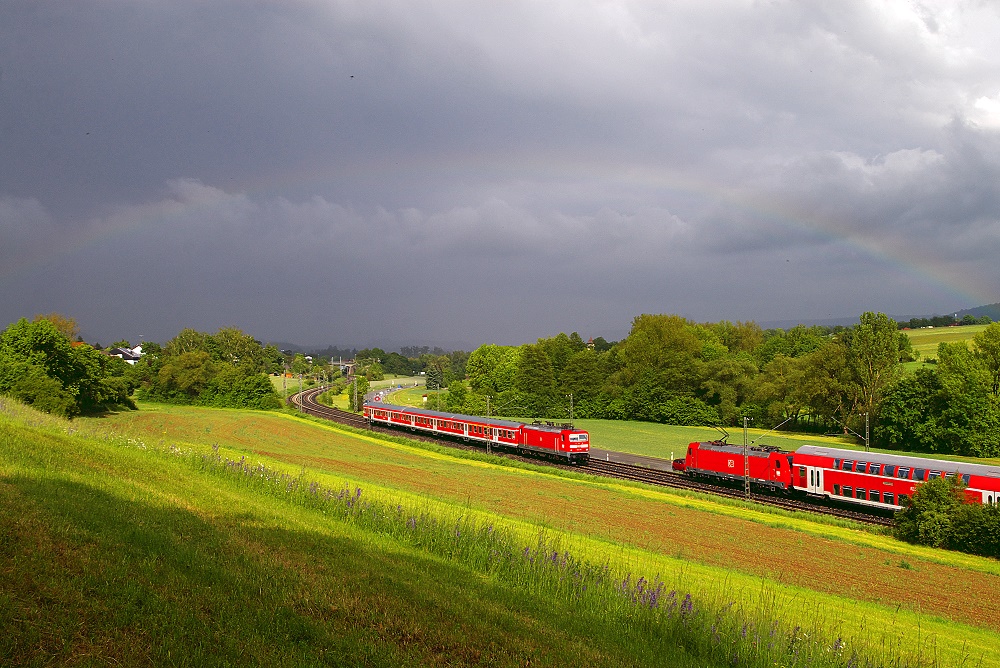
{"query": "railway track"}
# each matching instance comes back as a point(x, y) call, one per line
point(307, 402)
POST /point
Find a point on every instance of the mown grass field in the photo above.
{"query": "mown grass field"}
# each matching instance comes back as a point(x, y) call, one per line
point(182, 542)
point(925, 341)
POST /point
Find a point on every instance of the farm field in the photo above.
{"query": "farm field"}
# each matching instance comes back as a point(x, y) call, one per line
point(858, 574)
point(926, 341)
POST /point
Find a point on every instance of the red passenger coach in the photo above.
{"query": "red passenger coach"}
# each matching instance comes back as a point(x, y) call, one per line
point(884, 481)
point(560, 442)
point(770, 467)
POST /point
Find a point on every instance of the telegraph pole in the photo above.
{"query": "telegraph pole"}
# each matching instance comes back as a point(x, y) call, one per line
point(746, 460)
point(867, 448)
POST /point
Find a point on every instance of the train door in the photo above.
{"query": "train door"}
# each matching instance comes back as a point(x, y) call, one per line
point(814, 480)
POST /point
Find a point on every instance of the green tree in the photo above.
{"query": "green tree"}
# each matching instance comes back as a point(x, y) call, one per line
point(183, 377)
point(987, 346)
point(662, 352)
point(356, 393)
point(65, 325)
point(186, 341)
point(872, 360)
point(299, 364)
point(780, 387)
point(906, 419)
point(456, 395)
point(39, 365)
point(536, 382)
point(731, 382)
point(491, 369)
point(928, 518)
point(967, 414)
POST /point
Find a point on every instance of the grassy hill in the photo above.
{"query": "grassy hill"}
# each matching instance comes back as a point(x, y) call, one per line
point(925, 341)
point(208, 537)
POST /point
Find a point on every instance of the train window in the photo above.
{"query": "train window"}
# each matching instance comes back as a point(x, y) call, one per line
point(862, 494)
point(860, 468)
point(919, 474)
point(836, 490)
point(802, 471)
point(903, 472)
point(777, 463)
point(965, 479)
point(848, 491)
point(874, 469)
point(848, 465)
point(874, 495)
point(935, 474)
point(887, 497)
point(836, 463)
point(890, 470)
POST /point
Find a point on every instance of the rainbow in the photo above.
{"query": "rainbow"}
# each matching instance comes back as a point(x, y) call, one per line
point(200, 199)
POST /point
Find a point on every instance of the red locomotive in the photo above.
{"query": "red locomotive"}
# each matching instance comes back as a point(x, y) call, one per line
point(559, 442)
point(865, 478)
point(770, 467)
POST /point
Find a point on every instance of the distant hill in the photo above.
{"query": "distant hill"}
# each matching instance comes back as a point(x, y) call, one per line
point(991, 310)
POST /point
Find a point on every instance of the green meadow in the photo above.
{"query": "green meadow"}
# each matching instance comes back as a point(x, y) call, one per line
point(925, 341)
point(191, 536)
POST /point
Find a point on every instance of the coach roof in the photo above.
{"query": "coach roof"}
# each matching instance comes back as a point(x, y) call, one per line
point(901, 460)
point(459, 417)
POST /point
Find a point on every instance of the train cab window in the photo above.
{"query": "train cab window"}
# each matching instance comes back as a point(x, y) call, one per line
point(919, 474)
point(848, 491)
point(836, 490)
point(862, 494)
point(690, 451)
point(777, 463)
point(874, 495)
point(889, 470)
point(887, 497)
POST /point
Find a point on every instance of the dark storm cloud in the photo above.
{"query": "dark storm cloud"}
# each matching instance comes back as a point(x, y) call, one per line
point(339, 172)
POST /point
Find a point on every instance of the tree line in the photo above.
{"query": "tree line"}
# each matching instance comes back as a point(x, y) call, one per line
point(668, 370)
point(43, 364)
point(225, 369)
point(674, 371)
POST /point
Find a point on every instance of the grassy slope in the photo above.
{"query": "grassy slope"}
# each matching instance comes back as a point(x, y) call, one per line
point(113, 552)
point(864, 578)
point(926, 341)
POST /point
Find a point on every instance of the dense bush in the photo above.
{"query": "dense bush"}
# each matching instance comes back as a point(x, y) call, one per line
point(227, 369)
point(939, 516)
point(41, 366)
point(953, 408)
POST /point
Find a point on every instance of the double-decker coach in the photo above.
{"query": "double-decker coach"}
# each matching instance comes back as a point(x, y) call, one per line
point(883, 480)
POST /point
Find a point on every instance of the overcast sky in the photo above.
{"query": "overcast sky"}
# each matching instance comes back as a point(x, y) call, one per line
point(460, 173)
